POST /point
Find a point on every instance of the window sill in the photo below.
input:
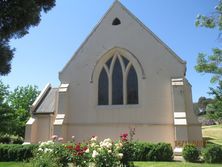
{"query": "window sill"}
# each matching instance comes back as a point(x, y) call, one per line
point(128, 106)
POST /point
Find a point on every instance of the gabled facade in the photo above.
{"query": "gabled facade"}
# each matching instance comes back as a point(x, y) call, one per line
point(123, 76)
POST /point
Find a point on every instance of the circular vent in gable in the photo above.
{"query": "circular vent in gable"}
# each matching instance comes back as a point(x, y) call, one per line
point(116, 22)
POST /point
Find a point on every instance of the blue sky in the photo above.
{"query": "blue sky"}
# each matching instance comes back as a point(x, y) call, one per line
point(42, 53)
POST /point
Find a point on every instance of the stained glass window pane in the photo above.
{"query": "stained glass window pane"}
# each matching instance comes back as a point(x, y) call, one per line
point(125, 61)
point(117, 84)
point(103, 88)
point(132, 87)
point(108, 63)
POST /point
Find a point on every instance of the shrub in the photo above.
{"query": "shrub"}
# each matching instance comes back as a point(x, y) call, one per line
point(45, 156)
point(16, 152)
point(191, 153)
point(5, 139)
point(45, 160)
point(161, 152)
point(213, 154)
point(140, 151)
point(100, 154)
point(17, 140)
point(128, 153)
point(104, 153)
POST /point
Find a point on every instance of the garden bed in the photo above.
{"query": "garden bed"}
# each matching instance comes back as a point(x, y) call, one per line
point(137, 164)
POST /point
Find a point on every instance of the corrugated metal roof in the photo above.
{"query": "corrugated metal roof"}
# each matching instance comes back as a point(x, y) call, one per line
point(48, 104)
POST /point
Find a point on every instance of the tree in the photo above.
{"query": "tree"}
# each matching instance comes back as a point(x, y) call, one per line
point(196, 109)
point(203, 102)
point(20, 100)
point(6, 113)
point(16, 17)
point(201, 105)
point(212, 64)
point(214, 109)
point(14, 108)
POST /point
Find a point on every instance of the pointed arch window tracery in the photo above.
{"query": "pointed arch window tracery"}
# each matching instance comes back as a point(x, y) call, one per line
point(118, 82)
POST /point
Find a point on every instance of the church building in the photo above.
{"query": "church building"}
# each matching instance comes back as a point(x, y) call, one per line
point(122, 77)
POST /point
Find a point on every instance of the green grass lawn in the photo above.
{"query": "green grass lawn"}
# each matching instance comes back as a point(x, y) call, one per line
point(213, 133)
point(174, 164)
point(14, 164)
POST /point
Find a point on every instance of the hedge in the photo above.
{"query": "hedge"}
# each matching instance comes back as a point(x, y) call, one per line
point(6, 139)
point(138, 151)
point(16, 152)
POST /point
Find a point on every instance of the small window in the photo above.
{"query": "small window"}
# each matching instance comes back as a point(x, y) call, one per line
point(116, 22)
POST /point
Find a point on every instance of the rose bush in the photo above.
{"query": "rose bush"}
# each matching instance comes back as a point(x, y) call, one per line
point(45, 155)
point(95, 153)
point(91, 153)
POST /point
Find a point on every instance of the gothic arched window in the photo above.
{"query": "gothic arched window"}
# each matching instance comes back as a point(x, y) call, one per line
point(118, 82)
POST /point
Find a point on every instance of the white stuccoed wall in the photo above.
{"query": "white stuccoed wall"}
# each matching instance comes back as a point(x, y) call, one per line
point(155, 65)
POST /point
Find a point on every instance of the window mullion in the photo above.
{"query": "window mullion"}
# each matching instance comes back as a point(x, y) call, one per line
point(124, 88)
point(110, 89)
point(125, 82)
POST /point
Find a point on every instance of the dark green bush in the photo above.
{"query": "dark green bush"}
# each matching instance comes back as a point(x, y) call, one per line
point(212, 154)
point(16, 152)
point(191, 153)
point(136, 151)
point(161, 152)
point(141, 151)
point(5, 139)
point(128, 153)
point(17, 140)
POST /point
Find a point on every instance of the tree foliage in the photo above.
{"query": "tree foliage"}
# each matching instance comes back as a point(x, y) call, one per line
point(214, 109)
point(212, 21)
point(196, 109)
point(14, 108)
point(23, 97)
point(201, 105)
point(203, 102)
point(16, 17)
point(7, 118)
point(6, 114)
point(20, 100)
point(212, 64)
